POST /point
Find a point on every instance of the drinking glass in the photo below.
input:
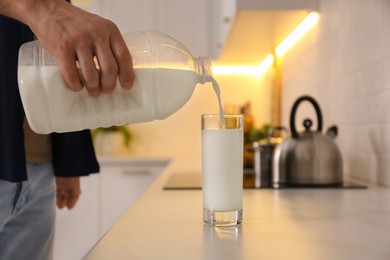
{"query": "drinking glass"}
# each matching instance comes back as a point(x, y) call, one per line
point(222, 169)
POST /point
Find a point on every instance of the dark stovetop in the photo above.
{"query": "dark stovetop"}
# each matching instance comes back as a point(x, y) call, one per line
point(193, 181)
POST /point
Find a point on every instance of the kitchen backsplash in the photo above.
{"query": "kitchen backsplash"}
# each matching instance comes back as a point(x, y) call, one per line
point(344, 62)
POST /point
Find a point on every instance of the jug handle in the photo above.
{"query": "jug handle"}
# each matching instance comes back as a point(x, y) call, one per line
point(294, 132)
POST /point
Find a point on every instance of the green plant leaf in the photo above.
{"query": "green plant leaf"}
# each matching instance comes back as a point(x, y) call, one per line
point(123, 130)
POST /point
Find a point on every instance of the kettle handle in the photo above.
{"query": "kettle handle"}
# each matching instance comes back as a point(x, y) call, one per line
point(294, 132)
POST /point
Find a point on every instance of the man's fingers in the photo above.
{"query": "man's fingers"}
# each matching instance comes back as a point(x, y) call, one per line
point(71, 74)
point(60, 201)
point(124, 61)
point(108, 69)
point(67, 199)
point(72, 199)
point(99, 64)
point(89, 71)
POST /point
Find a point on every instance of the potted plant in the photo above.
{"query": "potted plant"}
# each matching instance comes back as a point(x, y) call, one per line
point(112, 140)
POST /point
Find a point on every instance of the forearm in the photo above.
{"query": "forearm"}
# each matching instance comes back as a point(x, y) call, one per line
point(29, 11)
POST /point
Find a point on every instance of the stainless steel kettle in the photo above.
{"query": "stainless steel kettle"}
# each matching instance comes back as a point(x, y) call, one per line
point(308, 158)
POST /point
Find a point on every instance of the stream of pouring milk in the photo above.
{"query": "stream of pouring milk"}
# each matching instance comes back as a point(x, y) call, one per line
point(217, 91)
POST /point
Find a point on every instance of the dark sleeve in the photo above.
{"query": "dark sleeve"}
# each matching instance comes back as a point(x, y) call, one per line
point(12, 160)
point(73, 154)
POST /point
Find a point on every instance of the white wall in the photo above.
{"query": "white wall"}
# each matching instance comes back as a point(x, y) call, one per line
point(345, 64)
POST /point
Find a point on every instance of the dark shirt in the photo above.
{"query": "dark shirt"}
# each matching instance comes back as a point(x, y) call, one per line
point(73, 153)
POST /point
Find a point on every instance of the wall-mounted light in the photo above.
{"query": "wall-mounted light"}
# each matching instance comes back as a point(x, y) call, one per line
point(256, 71)
point(309, 22)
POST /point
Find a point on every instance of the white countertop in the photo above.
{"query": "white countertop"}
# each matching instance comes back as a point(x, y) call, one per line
point(277, 224)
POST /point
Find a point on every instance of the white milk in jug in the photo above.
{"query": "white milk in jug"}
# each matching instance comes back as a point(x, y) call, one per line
point(156, 94)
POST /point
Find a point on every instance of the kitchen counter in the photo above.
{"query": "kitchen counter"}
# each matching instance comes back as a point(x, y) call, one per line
point(277, 224)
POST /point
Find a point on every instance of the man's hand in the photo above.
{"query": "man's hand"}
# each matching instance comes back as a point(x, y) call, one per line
point(68, 191)
point(75, 36)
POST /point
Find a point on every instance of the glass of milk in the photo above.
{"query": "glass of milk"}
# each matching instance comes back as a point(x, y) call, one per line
point(222, 169)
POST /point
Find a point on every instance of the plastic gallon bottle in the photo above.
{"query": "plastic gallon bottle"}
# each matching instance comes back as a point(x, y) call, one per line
point(165, 77)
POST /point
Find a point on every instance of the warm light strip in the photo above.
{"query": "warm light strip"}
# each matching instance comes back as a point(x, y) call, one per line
point(309, 22)
point(256, 71)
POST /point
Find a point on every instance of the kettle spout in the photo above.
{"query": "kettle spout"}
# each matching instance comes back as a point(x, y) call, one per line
point(332, 131)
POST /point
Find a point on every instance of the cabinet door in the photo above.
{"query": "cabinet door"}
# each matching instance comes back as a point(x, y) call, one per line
point(222, 13)
point(128, 15)
point(186, 21)
point(201, 26)
point(104, 199)
point(77, 229)
point(121, 185)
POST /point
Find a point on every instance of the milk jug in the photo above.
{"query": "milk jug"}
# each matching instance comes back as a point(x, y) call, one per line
point(165, 77)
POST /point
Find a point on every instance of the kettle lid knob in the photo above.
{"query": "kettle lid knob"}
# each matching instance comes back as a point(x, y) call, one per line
point(307, 123)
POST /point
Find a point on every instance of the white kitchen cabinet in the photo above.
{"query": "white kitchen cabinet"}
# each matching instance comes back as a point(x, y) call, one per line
point(104, 199)
point(222, 14)
point(202, 25)
point(272, 5)
point(77, 230)
point(128, 15)
point(186, 21)
point(121, 184)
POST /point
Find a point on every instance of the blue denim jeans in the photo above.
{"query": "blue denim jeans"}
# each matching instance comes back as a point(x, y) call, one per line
point(27, 215)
